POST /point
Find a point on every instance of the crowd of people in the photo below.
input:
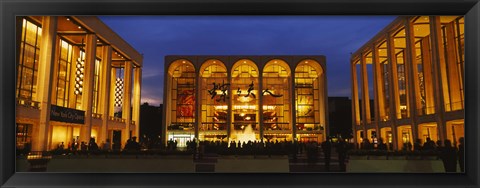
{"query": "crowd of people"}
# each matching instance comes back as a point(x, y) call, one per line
point(447, 151)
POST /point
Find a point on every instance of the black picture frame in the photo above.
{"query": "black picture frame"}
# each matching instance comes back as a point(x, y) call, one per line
point(9, 9)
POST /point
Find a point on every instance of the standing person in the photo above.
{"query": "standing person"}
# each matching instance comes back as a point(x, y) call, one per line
point(461, 154)
point(106, 145)
point(448, 154)
point(342, 148)
point(327, 150)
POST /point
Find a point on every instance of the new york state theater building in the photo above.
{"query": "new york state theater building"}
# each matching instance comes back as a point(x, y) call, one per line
point(234, 98)
point(75, 79)
point(408, 82)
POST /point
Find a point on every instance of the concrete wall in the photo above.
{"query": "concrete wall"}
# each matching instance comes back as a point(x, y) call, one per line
point(250, 164)
point(403, 166)
point(181, 164)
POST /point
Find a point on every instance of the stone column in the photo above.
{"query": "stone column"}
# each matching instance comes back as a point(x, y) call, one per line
point(438, 58)
point(413, 81)
point(87, 93)
point(137, 85)
point(376, 92)
point(355, 105)
point(260, 102)
point(230, 109)
point(198, 107)
point(105, 94)
point(127, 96)
point(293, 110)
point(44, 89)
point(394, 98)
point(365, 96)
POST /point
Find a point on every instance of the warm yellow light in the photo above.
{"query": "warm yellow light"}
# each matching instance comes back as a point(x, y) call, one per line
point(222, 107)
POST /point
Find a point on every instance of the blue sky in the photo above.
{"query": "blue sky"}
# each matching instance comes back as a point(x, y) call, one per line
point(333, 36)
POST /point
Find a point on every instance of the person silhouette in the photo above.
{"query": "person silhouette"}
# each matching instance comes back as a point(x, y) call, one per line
point(461, 154)
point(327, 150)
point(448, 154)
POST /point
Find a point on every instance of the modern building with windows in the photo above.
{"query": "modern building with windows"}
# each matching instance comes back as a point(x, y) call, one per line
point(241, 98)
point(76, 79)
point(414, 72)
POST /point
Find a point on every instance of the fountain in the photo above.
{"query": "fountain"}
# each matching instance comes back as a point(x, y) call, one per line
point(245, 135)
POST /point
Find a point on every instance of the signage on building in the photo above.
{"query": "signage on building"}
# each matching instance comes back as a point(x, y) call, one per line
point(68, 115)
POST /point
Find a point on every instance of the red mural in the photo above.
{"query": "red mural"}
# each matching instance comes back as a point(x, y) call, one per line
point(186, 103)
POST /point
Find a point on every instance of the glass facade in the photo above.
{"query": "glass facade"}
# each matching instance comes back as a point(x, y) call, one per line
point(420, 61)
point(28, 60)
point(241, 101)
point(63, 66)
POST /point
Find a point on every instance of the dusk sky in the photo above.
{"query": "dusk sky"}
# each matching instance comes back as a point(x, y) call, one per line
point(332, 36)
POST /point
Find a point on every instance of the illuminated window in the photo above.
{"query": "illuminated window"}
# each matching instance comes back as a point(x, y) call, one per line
point(382, 53)
point(183, 96)
point(28, 60)
point(276, 96)
point(307, 99)
point(452, 68)
point(65, 62)
point(400, 57)
point(245, 95)
point(24, 135)
point(423, 62)
point(214, 97)
point(96, 82)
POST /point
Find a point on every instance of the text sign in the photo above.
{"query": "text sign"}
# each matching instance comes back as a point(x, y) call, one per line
point(68, 115)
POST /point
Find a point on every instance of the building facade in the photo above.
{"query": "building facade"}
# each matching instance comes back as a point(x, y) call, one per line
point(241, 98)
point(76, 79)
point(413, 70)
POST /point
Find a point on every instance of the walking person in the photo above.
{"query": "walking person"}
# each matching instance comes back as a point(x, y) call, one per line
point(327, 150)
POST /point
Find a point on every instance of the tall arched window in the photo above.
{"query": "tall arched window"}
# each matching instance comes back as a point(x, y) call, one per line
point(181, 106)
point(245, 96)
point(309, 100)
point(276, 97)
point(214, 94)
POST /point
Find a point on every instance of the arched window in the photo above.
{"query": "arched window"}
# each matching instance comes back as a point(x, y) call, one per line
point(276, 96)
point(181, 105)
point(309, 100)
point(214, 86)
point(245, 96)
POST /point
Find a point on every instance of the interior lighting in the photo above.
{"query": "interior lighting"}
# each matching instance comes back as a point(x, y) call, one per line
point(68, 19)
point(118, 90)
point(79, 76)
point(79, 27)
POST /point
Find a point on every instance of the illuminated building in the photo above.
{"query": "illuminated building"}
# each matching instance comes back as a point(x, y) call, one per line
point(223, 97)
point(413, 69)
point(74, 76)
